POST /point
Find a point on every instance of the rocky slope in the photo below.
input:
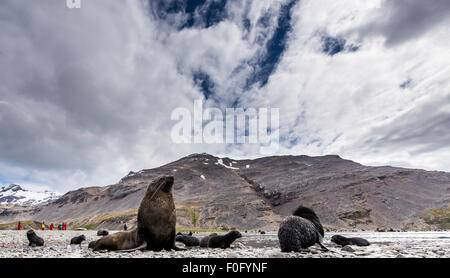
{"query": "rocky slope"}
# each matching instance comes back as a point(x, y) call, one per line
point(256, 194)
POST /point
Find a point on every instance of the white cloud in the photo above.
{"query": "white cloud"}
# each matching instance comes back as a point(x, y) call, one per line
point(86, 94)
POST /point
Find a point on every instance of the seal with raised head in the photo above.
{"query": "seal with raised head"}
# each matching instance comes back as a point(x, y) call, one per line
point(77, 240)
point(343, 241)
point(300, 231)
point(156, 222)
point(34, 240)
point(223, 241)
point(157, 215)
point(204, 241)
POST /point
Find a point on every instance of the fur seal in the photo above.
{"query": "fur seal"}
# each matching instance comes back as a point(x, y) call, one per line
point(188, 240)
point(223, 241)
point(204, 241)
point(157, 215)
point(343, 241)
point(92, 244)
point(121, 241)
point(34, 239)
point(102, 233)
point(77, 240)
point(156, 222)
point(299, 232)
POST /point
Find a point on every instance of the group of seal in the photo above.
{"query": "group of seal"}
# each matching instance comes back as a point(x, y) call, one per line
point(211, 241)
point(303, 229)
point(156, 222)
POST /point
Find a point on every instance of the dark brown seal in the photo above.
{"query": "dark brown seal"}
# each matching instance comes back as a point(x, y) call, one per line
point(223, 241)
point(344, 241)
point(157, 216)
point(120, 241)
point(77, 240)
point(302, 230)
point(204, 241)
point(156, 222)
point(34, 240)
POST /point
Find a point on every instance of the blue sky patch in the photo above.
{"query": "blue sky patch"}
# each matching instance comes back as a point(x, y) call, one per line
point(198, 13)
point(204, 83)
point(275, 47)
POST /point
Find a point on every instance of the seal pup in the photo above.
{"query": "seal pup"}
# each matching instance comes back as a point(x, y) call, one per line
point(300, 231)
point(34, 239)
point(343, 241)
point(102, 233)
point(204, 241)
point(224, 241)
point(188, 240)
point(157, 215)
point(77, 240)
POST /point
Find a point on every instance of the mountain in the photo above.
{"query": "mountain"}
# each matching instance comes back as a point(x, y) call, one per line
point(14, 195)
point(213, 192)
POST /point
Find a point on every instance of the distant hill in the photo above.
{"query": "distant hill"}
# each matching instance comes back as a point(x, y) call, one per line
point(212, 192)
point(14, 195)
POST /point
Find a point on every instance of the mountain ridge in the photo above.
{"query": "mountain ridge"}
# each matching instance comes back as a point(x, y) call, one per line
point(213, 192)
point(15, 195)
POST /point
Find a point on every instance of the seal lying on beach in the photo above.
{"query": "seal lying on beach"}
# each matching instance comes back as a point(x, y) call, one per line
point(343, 241)
point(223, 241)
point(34, 239)
point(204, 241)
point(188, 240)
point(299, 232)
point(129, 241)
point(156, 222)
point(77, 240)
point(102, 233)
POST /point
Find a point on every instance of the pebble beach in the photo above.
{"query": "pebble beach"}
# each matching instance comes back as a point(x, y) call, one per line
point(14, 244)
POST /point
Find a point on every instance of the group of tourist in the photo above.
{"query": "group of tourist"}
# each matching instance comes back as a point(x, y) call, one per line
point(61, 226)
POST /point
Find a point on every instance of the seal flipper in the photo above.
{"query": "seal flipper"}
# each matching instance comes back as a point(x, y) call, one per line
point(176, 248)
point(143, 246)
point(323, 247)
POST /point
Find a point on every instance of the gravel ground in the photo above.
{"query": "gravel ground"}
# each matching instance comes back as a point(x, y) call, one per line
point(13, 244)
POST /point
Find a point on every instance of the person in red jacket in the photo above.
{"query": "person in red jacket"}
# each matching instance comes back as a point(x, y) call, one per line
point(19, 227)
point(51, 227)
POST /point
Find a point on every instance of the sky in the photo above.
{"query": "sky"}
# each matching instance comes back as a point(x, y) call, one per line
point(86, 95)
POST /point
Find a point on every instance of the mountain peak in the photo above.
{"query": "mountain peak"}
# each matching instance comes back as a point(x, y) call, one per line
point(14, 194)
point(12, 187)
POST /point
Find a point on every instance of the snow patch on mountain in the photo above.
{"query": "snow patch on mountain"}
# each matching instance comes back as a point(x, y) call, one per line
point(15, 195)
